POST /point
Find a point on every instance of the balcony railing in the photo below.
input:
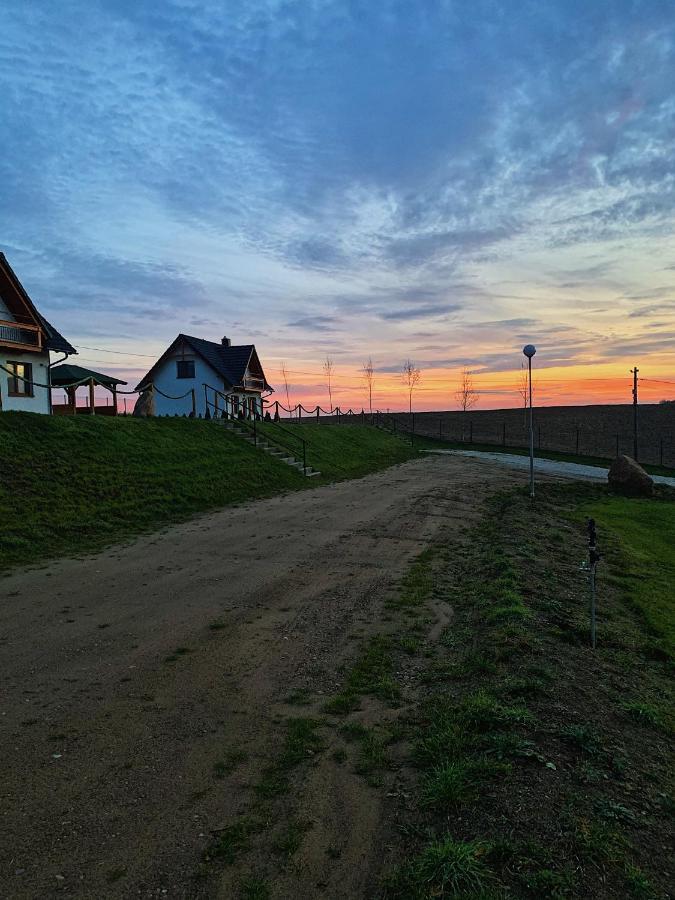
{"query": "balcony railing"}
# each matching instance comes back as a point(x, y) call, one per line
point(28, 337)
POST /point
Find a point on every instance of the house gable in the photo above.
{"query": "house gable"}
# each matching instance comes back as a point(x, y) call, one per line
point(38, 333)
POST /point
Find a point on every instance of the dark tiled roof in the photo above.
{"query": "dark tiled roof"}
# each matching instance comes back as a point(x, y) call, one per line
point(67, 374)
point(54, 341)
point(228, 362)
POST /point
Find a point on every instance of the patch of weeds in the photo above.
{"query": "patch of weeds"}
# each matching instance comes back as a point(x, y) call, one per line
point(409, 645)
point(585, 737)
point(301, 743)
point(452, 782)
point(217, 625)
point(522, 687)
point(599, 842)
point(615, 812)
point(445, 868)
point(638, 883)
point(298, 697)
point(549, 883)
point(254, 889)
point(372, 674)
point(232, 840)
point(646, 714)
point(288, 842)
point(373, 757)
point(333, 852)
point(353, 731)
point(115, 875)
point(177, 653)
point(226, 766)
point(417, 586)
point(506, 744)
point(474, 663)
point(340, 755)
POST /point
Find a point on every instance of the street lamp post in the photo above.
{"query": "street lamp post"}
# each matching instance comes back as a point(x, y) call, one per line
point(529, 350)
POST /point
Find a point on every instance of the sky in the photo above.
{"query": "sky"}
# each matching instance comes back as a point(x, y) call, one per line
point(437, 181)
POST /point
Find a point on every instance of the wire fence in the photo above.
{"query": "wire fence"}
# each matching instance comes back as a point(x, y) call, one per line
point(602, 432)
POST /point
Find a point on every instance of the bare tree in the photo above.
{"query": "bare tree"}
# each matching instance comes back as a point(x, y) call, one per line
point(284, 375)
point(466, 395)
point(328, 370)
point(411, 378)
point(368, 375)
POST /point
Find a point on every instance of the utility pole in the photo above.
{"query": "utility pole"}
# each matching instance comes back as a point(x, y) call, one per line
point(634, 372)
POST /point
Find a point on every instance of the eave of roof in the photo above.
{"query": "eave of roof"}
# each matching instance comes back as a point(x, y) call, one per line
point(53, 339)
point(68, 373)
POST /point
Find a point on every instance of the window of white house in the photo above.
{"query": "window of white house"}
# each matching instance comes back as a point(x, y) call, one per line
point(185, 368)
point(20, 382)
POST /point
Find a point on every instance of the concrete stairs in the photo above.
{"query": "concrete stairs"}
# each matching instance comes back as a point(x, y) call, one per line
point(283, 456)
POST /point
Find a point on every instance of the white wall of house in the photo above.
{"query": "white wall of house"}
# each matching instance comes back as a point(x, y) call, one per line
point(39, 402)
point(166, 379)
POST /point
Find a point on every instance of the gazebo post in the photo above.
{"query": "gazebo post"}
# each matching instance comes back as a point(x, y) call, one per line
point(91, 396)
point(114, 398)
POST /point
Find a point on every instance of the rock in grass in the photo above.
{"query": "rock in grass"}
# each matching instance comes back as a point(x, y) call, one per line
point(625, 476)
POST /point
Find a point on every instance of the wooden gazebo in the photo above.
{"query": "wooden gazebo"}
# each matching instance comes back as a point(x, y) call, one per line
point(71, 377)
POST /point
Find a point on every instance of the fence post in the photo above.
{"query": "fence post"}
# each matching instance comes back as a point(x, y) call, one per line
point(194, 403)
point(539, 437)
point(299, 412)
point(317, 414)
point(617, 444)
point(470, 432)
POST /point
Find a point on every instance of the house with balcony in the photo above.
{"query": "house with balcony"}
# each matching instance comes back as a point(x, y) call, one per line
point(194, 375)
point(26, 341)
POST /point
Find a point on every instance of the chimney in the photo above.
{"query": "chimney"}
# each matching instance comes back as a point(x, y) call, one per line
point(226, 342)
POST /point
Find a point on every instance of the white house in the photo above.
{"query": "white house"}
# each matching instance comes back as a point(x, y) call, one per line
point(193, 375)
point(26, 339)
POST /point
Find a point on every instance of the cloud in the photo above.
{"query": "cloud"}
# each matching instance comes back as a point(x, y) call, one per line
point(341, 168)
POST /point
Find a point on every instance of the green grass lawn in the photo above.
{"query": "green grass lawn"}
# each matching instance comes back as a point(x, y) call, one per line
point(75, 484)
point(345, 451)
point(644, 535)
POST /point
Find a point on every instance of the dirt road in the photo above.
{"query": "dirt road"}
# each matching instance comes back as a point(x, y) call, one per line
point(126, 675)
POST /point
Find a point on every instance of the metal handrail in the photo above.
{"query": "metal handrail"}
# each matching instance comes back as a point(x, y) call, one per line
point(253, 428)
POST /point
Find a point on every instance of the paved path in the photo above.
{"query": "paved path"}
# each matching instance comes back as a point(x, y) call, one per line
point(545, 466)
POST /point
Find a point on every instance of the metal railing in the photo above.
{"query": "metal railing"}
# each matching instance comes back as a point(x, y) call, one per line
point(24, 335)
point(271, 431)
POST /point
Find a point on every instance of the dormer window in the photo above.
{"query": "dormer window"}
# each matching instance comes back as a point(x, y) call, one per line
point(185, 368)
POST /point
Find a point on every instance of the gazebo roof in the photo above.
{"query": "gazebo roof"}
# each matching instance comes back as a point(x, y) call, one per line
point(67, 374)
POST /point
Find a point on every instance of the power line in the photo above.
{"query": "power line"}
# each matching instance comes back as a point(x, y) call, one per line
point(118, 352)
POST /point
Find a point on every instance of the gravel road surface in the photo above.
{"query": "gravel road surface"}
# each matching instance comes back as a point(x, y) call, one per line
point(126, 675)
point(544, 466)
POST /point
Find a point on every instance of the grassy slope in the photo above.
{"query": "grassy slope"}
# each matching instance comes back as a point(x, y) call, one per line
point(643, 532)
point(75, 484)
point(347, 451)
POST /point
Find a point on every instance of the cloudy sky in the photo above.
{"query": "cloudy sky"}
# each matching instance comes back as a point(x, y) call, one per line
point(443, 181)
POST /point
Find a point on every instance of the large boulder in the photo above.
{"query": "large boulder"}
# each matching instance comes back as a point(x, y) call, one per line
point(625, 476)
point(145, 404)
